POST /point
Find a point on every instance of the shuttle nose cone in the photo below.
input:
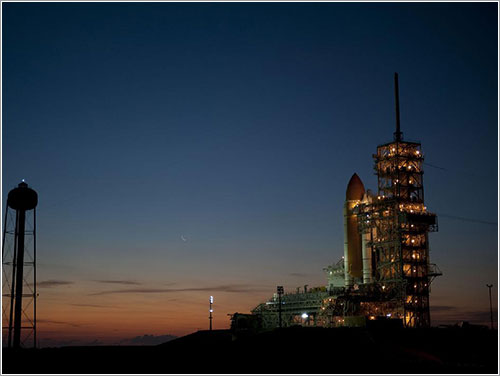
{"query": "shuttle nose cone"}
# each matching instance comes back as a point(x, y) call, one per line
point(355, 189)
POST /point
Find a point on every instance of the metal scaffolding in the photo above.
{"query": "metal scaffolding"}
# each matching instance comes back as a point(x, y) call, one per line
point(396, 225)
point(389, 234)
point(301, 308)
point(19, 295)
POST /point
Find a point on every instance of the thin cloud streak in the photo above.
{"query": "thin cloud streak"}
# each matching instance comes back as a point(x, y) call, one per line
point(223, 288)
point(43, 321)
point(92, 305)
point(118, 282)
point(442, 308)
point(54, 283)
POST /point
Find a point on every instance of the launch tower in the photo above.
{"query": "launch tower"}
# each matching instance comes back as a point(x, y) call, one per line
point(395, 226)
point(385, 274)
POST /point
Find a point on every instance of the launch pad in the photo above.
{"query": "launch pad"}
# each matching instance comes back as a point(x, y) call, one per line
point(385, 273)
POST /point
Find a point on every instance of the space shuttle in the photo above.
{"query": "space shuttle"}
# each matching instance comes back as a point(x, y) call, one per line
point(357, 256)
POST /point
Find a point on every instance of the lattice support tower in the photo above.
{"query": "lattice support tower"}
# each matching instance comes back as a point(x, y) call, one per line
point(19, 268)
point(397, 224)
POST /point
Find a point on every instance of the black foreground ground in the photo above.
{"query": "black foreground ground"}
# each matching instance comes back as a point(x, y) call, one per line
point(284, 351)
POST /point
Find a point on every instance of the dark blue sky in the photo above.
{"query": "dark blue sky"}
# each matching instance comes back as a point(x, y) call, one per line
point(238, 127)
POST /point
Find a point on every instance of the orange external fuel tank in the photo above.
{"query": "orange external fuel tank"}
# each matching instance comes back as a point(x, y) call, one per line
point(353, 261)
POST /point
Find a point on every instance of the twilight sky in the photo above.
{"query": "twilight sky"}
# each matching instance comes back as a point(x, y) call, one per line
point(182, 150)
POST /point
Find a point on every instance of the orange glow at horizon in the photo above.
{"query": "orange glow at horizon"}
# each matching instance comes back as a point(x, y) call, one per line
point(116, 316)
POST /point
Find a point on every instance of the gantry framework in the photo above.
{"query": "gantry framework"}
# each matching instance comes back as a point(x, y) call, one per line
point(396, 225)
point(296, 309)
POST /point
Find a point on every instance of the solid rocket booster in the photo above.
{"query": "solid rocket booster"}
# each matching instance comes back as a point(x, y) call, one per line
point(353, 261)
point(367, 258)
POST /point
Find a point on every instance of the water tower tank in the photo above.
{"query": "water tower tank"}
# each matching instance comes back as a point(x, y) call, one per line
point(22, 197)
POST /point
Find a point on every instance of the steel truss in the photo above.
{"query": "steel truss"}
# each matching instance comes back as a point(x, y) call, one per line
point(396, 224)
point(9, 278)
point(293, 307)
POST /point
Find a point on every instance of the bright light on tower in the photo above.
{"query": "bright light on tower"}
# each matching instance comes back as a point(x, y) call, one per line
point(305, 315)
point(211, 300)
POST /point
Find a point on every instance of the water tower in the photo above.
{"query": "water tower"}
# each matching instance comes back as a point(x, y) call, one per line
point(19, 267)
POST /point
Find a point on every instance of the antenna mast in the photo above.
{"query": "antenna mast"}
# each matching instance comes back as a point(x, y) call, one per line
point(398, 136)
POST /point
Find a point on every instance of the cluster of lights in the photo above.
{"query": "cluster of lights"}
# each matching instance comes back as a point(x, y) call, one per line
point(416, 242)
point(412, 207)
point(392, 150)
point(409, 181)
point(411, 300)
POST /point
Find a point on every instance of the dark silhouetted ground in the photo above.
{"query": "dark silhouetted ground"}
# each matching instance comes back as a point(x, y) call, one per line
point(290, 350)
